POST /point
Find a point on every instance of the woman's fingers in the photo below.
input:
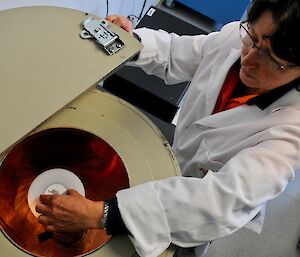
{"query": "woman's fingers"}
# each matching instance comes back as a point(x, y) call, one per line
point(121, 21)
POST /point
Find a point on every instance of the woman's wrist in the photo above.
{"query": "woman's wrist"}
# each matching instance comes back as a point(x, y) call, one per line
point(94, 220)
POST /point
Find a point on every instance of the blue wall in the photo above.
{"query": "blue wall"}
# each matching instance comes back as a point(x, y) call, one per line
point(221, 11)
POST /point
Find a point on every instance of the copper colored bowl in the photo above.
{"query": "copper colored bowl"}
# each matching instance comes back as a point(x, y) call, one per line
point(96, 163)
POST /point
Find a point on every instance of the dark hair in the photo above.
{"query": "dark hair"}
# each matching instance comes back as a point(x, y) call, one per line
point(285, 40)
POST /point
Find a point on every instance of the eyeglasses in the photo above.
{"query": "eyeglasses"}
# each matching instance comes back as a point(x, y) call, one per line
point(263, 54)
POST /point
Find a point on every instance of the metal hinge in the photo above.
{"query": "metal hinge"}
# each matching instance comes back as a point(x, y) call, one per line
point(98, 29)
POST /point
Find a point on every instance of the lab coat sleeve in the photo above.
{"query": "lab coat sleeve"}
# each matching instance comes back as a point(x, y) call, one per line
point(176, 58)
point(192, 211)
point(169, 56)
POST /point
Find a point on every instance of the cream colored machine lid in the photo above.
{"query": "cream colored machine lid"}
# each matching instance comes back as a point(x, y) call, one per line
point(44, 64)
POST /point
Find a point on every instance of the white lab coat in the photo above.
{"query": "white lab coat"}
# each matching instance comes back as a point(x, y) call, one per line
point(250, 154)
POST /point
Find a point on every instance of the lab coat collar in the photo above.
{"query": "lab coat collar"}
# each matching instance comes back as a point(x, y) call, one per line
point(291, 98)
point(237, 115)
point(247, 113)
point(265, 100)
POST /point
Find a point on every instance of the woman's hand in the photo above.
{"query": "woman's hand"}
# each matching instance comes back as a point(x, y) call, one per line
point(69, 213)
point(121, 21)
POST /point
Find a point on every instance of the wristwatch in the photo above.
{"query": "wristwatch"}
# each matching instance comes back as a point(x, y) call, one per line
point(105, 214)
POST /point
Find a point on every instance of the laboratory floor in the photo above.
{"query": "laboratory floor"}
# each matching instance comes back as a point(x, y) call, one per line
point(281, 230)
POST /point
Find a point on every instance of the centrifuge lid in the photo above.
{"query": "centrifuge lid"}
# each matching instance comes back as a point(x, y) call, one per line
point(44, 64)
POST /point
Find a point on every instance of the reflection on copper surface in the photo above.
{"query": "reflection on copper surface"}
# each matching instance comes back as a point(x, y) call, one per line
point(96, 163)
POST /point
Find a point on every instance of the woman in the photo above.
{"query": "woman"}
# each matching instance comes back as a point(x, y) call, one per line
point(237, 139)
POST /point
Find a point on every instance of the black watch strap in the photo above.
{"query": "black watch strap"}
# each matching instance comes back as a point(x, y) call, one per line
point(114, 222)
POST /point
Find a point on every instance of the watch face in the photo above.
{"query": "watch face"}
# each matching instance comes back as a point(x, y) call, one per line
point(52, 161)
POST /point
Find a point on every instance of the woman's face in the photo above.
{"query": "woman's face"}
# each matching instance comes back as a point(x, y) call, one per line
point(254, 72)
